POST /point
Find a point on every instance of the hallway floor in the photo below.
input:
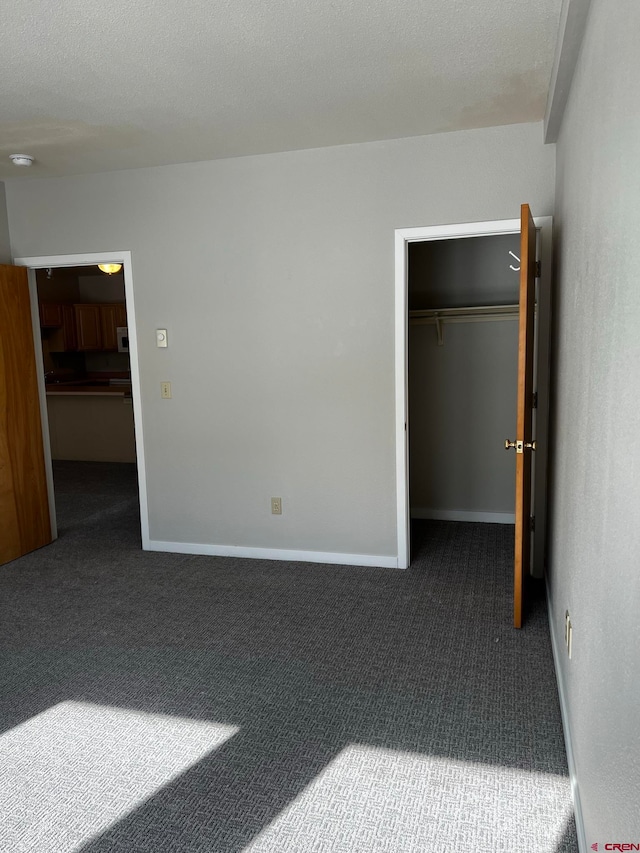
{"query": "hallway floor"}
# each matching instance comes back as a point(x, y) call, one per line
point(178, 704)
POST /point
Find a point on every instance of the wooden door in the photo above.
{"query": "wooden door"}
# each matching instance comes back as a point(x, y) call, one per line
point(24, 502)
point(88, 327)
point(524, 443)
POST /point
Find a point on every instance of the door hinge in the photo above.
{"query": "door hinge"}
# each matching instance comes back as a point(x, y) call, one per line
point(532, 523)
point(538, 269)
point(534, 400)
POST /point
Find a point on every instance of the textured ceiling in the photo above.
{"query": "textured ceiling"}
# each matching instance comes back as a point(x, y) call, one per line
point(89, 85)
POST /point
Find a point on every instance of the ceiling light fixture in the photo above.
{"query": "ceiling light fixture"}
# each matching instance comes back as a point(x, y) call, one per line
point(110, 268)
point(21, 159)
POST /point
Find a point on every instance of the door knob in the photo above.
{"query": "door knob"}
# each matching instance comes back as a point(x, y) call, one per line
point(520, 446)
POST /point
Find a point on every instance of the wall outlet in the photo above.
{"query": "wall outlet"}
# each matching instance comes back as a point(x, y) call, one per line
point(165, 390)
point(568, 633)
point(276, 506)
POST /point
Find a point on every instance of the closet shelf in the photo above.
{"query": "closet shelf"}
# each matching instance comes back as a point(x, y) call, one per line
point(477, 314)
point(480, 312)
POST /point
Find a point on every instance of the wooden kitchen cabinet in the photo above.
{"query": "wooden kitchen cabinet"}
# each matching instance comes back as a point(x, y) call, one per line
point(88, 327)
point(111, 316)
point(50, 314)
point(64, 338)
point(69, 334)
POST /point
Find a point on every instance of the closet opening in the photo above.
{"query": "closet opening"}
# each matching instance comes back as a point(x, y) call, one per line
point(472, 380)
point(462, 296)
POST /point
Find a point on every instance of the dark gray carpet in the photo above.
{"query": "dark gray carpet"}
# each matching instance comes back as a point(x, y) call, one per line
point(161, 703)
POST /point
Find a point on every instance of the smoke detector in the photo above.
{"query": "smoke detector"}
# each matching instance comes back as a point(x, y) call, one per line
point(21, 159)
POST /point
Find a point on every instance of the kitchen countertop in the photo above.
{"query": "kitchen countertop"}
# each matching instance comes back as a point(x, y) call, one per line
point(88, 388)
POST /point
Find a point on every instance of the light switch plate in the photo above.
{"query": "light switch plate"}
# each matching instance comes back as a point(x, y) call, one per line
point(165, 390)
point(161, 337)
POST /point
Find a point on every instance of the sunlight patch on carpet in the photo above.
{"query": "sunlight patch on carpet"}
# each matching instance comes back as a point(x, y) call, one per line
point(374, 799)
point(73, 771)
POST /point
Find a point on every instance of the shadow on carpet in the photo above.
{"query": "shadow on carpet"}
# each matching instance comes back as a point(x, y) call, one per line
point(159, 702)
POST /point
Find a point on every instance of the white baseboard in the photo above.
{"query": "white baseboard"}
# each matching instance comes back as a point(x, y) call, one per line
point(575, 791)
point(463, 515)
point(272, 554)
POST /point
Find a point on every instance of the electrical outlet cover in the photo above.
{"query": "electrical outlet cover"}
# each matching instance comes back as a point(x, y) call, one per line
point(276, 506)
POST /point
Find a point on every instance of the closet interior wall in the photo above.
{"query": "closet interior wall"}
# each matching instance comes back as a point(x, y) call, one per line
point(462, 378)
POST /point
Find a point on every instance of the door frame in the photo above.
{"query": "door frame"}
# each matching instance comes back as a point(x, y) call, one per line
point(92, 259)
point(405, 236)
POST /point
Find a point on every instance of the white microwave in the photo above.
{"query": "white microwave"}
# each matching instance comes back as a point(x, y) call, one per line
point(122, 333)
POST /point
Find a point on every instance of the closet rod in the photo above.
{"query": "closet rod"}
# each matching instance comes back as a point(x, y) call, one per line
point(480, 312)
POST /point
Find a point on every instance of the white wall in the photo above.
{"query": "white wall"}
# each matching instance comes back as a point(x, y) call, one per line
point(5, 251)
point(595, 511)
point(275, 278)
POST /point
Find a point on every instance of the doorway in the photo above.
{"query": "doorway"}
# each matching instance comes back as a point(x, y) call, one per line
point(455, 312)
point(89, 387)
point(463, 357)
